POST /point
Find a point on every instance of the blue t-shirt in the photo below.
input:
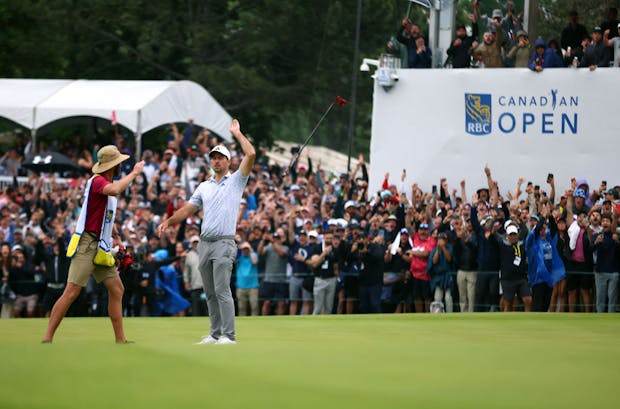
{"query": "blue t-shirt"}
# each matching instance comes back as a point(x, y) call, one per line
point(247, 273)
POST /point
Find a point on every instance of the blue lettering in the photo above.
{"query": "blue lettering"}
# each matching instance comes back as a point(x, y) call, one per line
point(502, 100)
point(528, 119)
point(546, 120)
point(522, 101)
point(543, 101)
point(533, 102)
point(511, 102)
point(574, 101)
point(566, 122)
point(501, 122)
point(562, 102)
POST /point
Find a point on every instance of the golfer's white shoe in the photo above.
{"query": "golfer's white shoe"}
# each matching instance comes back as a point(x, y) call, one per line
point(226, 341)
point(207, 340)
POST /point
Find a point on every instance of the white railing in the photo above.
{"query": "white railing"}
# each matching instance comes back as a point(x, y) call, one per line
point(22, 180)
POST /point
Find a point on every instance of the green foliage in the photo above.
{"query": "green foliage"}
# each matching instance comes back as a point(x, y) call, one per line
point(274, 64)
point(554, 14)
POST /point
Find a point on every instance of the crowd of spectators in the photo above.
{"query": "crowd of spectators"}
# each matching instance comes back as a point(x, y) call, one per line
point(504, 43)
point(314, 241)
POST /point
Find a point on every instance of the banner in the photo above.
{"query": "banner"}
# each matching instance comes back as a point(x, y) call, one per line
point(450, 123)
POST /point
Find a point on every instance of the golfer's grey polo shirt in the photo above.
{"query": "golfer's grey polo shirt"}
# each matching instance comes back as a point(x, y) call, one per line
point(219, 202)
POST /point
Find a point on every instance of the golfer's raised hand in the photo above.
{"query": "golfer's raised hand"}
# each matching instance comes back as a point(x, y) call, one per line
point(235, 127)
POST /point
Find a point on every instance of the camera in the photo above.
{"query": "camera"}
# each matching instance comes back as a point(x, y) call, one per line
point(360, 245)
point(295, 150)
point(137, 262)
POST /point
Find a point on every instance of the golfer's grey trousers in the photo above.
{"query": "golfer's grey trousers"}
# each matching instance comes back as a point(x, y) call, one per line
point(215, 265)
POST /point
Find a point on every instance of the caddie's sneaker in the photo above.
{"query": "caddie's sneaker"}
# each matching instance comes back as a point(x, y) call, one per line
point(207, 340)
point(226, 341)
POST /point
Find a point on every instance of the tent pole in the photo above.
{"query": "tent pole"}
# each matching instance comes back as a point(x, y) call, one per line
point(139, 138)
point(33, 131)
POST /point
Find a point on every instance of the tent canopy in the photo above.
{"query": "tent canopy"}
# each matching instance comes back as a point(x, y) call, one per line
point(139, 105)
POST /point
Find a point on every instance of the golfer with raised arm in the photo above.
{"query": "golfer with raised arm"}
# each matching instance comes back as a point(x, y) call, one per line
point(219, 198)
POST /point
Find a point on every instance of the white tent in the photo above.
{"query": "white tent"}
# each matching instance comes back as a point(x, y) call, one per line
point(139, 105)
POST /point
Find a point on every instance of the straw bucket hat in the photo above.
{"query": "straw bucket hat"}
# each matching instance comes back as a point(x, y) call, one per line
point(108, 157)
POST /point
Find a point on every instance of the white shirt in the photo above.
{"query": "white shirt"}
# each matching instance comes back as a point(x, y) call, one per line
point(220, 204)
point(616, 45)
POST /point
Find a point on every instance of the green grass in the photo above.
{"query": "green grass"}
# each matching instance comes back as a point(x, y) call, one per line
point(389, 361)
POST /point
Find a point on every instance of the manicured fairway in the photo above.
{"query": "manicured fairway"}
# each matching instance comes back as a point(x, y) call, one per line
point(389, 361)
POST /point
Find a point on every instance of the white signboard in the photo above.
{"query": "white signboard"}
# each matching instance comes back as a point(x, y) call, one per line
point(437, 123)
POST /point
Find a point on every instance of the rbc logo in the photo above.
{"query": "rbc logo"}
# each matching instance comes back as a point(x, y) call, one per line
point(478, 114)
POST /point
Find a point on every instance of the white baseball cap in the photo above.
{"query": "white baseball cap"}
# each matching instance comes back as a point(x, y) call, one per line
point(313, 233)
point(512, 229)
point(220, 149)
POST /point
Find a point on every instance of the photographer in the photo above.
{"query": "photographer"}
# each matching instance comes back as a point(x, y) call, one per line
point(371, 256)
point(274, 287)
point(22, 281)
point(440, 268)
point(145, 294)
point(55, 269)
point(324, 263)
point(127, 268)
point(299, 253)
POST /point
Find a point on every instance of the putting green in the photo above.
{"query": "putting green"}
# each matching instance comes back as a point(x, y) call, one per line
point(384, 361)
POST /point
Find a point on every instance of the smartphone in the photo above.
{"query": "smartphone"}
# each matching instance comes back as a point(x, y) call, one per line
point(529, 183)
point(536, 187)
point(604, 182)
point(434, 188)
point(549, 177)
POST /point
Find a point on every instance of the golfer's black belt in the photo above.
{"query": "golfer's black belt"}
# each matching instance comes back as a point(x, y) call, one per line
point(216, 238)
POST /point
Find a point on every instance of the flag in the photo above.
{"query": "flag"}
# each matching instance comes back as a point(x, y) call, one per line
point(340, 101)
point(113, 118)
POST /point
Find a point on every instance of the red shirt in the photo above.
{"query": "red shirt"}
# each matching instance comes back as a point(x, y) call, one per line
point(418, 264)
point(97, 203)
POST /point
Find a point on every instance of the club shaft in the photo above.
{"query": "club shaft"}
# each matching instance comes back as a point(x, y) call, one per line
point(301, 148)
